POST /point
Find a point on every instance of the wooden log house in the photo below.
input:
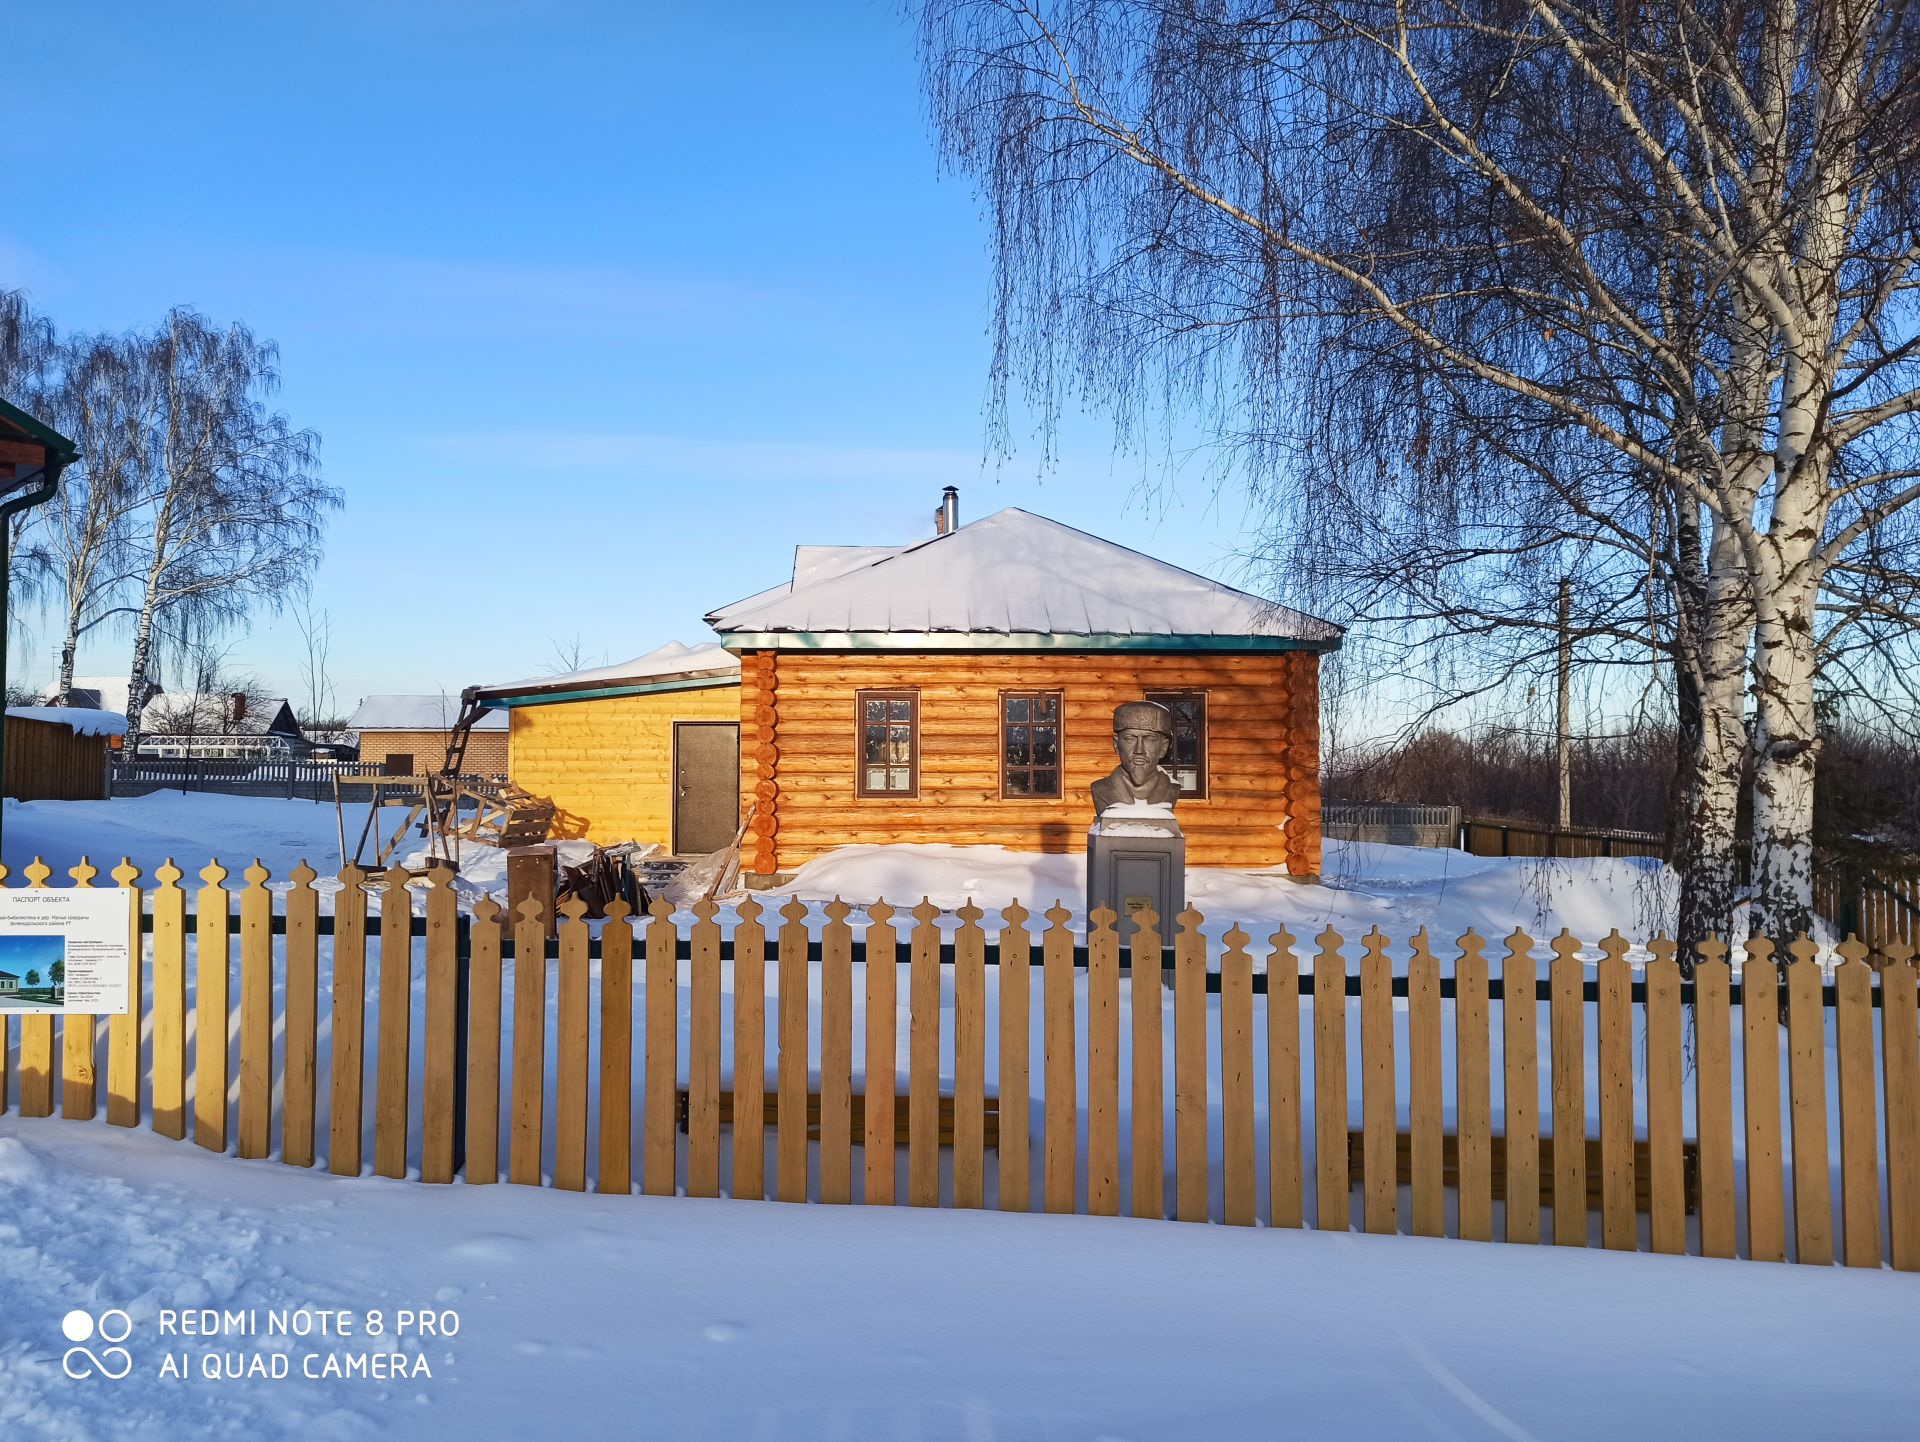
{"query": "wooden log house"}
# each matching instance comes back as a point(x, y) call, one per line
point(961, 689)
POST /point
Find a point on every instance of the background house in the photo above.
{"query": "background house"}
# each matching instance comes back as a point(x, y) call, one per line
point(100, 693)
point(961, 689)
point(234, 726)
point(647, 750)
point(408, 735)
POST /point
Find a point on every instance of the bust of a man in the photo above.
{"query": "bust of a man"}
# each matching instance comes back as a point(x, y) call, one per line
point(1143, 736)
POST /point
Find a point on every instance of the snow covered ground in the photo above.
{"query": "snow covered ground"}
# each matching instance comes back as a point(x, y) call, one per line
point(674, 1318)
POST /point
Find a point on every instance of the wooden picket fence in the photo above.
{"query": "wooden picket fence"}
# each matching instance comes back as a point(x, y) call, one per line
point(483, 1101)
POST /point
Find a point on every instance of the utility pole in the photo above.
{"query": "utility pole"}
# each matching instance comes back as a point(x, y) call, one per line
point(1564, 726)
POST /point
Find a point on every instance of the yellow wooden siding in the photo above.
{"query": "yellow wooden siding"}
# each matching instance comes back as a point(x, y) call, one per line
point(606, 764)
point(797, 752)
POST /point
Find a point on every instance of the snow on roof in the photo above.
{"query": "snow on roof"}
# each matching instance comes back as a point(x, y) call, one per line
point(191, 713)
point(672, 659)
point(1011, 572)
point(81, 720)
point(108, 693)
point(417, 713)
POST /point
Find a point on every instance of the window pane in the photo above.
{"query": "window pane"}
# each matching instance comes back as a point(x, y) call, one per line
point(876, 778)
point(1017, 708)
point(1046, 783)
point(876, 745)
point(1046, 746)
point(1017, 783)
point(1044, 707)
point(902, 710)
point(899, 779)
point(901, 752)
point(1019, 750)
point(876, 710)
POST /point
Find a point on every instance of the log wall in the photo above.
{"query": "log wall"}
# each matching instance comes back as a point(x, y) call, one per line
point(797, 752)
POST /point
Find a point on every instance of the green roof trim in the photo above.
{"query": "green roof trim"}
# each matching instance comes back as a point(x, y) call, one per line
point(1006, 641)
point(605, 693)
point(64, 450)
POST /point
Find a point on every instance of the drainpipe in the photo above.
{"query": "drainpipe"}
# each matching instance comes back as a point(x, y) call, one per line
point(50, 470)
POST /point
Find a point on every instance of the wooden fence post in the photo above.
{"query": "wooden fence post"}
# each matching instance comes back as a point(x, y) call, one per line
point(1103, 1063)
point(1713, 1097)
point(659, 1135)
point(123, 1032)
point(78, 1050)
point(703, 1054)
point(1760, 1057)
point(349, 1020)
point(392, 1075)
point(572, 1050)
point(1900, 1042)
point(1859, 1140)
point(1061, 1103)
point(1567, 978)
point(1425, 1088)
point(1807, 1086)
point(1190, 1170)
point(1613, 1040)
point(1239, 1190)
point(529, 1043)
point(211, 973)
point(438, 1084)
point(615, 1167)
point(1016, 1017)
point(1666, 1156)
point(1473, 1083)
point(969, 1060)
point(790, 1128)
point(483, 1044)
point(1521, 1089)
point(750, 1054)
point(1145, 993)
point(1333, 1209)
point(1380, 1171)
point(836, 1053)
point(256, 1013)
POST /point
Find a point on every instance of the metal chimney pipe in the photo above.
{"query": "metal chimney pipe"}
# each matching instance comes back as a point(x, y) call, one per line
point(949, 510)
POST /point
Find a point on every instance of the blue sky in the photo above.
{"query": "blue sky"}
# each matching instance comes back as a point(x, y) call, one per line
point(598, 308)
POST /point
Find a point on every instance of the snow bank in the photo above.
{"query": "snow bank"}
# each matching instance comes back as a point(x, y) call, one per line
point(80, 720)
point(671, 1317)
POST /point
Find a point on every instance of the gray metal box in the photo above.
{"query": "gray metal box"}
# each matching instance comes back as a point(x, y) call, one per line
point(1133, 864)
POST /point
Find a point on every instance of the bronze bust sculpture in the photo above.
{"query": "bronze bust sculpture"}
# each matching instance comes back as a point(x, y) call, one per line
point(1143, 737)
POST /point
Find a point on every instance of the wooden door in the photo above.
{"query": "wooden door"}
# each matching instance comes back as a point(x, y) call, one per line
point(706, 785)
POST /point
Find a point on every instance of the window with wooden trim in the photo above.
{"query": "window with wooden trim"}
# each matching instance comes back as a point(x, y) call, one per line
point(887, 743)
point(1187, 762)
point(1030, 743)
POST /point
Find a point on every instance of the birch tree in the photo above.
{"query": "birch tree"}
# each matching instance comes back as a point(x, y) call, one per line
point(1599, 291)
point(104, 403)
point(234, 511)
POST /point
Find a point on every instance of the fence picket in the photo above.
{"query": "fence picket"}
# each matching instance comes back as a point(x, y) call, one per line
point(1807, 1087)
point(1613, 1041)
point(750, 1049)
point(969, 1059)
point(1713, 1097)
point(1473, 1086)
point(123, 1031)
point(349, 1020)
point(1016, 1006)
point(1103, 1063)
point(483, 1044)
point(880, 1060)
point(392, 1064)
point(1666, 1159)
point(571, 1038)
point(78, 1039)
point(36, 1033)
point(1190, 1070)
point(923, 1058)
point(1853, 1057)
point(659, 1135)
point(703, 1056)
point(303, 1018)
point(1521, 1089)
point(256, 1013)
point(1900, 1045)
point(790, 1134)
point(1239, 1191)
point(1760, 1058)
point(1380, 1145)
point(1424, 1089)
point(1566, 978)
point(1061, 1127)
point(525, 1142)
point(1284, 1182)
point(1333, 1208)
point(614, 1167)
point(836, 1057)
point(441, 1027)
point(212, 1020)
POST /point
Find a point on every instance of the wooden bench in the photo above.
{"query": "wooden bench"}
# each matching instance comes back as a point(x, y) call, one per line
point(990, 1125)
point(1450, 1168)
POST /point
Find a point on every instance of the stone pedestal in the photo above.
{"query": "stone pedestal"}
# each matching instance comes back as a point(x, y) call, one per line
point(1137, 858)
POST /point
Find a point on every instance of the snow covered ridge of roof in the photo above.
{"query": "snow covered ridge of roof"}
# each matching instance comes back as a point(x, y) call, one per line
point(1012, 573)
point(81, 720)
point(417, 713)
point(674, 661)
